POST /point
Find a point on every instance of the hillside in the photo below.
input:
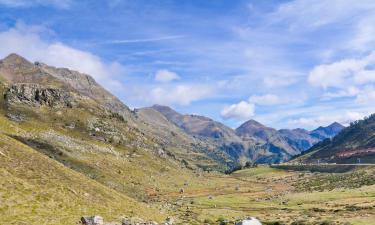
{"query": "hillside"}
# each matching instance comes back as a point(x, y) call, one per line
point(57, 139)
point(352, 145)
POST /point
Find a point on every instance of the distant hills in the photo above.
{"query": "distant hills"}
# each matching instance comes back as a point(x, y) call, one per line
point(354, 144)
point(252, 141)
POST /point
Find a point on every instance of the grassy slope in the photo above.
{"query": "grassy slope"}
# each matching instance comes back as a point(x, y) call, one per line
point(111, 172)
point(35, 189)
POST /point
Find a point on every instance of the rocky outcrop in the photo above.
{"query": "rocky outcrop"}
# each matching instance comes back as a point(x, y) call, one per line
point(86, 86)
point(38, 95)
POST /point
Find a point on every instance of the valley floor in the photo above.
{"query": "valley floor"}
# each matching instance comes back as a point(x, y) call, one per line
point(280, 197)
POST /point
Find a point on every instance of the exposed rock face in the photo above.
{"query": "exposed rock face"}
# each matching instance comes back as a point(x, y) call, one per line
point(15, 69)
point(37, 95)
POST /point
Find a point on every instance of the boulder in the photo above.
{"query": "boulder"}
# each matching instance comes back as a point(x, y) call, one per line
point(92, 220)
point(249, 221)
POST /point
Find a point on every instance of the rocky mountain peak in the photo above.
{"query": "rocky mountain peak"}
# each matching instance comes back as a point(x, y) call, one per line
point(327, 132)
point(16, 61)
point(336, 126)
point(252, 124)
point(251, 127)
point(163, 108)
point(169, 113)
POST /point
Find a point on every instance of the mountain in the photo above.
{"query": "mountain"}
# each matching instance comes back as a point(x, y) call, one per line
point(269, 135)
point(327, 132)
point(271, 147)
point(199, 126)
point(299, 138)
point(353, 143)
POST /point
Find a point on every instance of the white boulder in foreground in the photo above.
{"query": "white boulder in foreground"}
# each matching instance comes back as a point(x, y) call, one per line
point(249, 221)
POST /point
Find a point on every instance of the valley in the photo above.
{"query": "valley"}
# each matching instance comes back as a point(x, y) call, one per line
point(69, 148)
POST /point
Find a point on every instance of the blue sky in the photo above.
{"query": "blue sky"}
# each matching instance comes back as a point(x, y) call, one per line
point(287, 64)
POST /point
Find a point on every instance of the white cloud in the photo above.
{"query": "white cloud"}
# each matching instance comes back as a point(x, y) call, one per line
point(180, 95)
point(350, 91)
point(364, 76)
point(343, 73)
point(280, 81)
point(64, 4)
point(240, 111)
point(366, 96)
point(302, 14)
point(27, 41)
point(268, 99)
point(166, 76)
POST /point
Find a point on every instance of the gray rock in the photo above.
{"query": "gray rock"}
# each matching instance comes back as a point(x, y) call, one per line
point(92, 220)
point(16, 117)
point(37, 95)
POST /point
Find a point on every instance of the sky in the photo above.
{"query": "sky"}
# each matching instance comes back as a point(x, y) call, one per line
point(286, 64)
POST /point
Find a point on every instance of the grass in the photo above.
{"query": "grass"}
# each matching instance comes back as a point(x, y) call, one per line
point(34, 189)
point(270, 195)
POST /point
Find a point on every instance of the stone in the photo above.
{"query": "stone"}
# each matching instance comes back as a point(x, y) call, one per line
point(16, 117)
point(249, 221)
point(92, 220)
point(169, 221)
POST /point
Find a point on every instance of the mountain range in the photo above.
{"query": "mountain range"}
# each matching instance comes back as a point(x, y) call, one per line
point(252, 141)
point(194, 140)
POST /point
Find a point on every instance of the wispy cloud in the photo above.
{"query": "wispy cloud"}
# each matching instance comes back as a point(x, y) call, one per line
point(156, 39)
point(63, 4)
